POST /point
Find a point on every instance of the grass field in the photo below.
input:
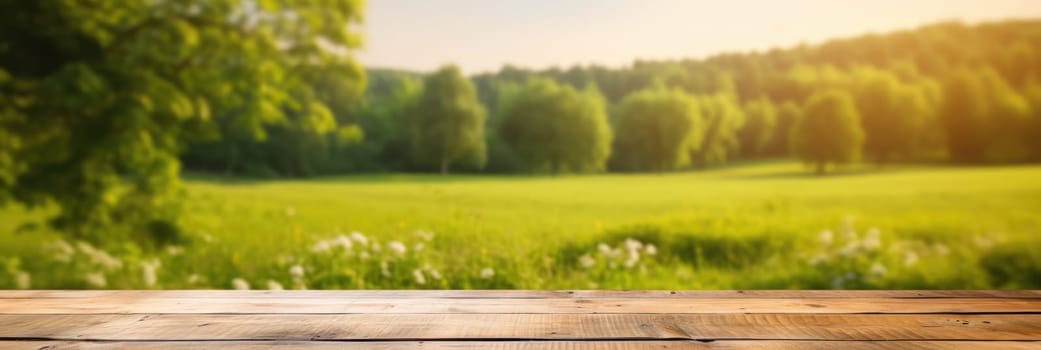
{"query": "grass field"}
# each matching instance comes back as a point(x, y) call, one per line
point(754, 226)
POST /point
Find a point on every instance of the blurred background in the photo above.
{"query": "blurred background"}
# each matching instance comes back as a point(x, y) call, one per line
point(403, 144)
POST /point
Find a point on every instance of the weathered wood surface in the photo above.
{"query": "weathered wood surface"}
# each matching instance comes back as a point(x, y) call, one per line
point(145, 304)
point(704, 320)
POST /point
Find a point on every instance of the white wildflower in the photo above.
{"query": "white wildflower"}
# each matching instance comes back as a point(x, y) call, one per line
point(826, 237)
point(174, 250)
point(99, 257)
point(239, 284)
point(631, 261)
point(321, 247)
point(359, 238)
point(650, 249)
point(873, 239)
point(607, 251)
point(434, 274)
point(586, 261)
point(194, 278)
point(85, 248)
point(63, 251)
point(418, 247)
point(273, 285)
point(418, 275)
point(818, 259)
point(95, 279)
point(632, 244)
point(290, 211)
point(363, 255)
point(148, 272)
point(385, 269)
point(871, 242)
point(108, 262)
point(910, 258)
point(397, 247)
point(296, 271)
point(425, 235)
point(850, 249)
point(343, 242)
point(878, 270)
point(22, 280)
point(942, 249)
point(487, 273)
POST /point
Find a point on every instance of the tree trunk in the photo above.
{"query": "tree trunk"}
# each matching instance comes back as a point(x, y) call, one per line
point(444, 167)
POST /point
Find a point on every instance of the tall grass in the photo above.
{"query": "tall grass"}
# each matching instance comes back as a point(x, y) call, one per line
point(757, 226)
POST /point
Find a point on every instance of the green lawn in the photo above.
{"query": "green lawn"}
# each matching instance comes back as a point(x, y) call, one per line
point(752, 226)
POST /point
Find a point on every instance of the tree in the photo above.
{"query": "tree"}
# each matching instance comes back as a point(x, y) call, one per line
point(983, 118)
point(829, 131)
point(760, 122)
point(448, 123)
point(386, 121)
point(787, 114)
point(893, 114)
point(555, 127)
point(655, 129)
point(723, 118)
point(103, 93)
point(1033, 132)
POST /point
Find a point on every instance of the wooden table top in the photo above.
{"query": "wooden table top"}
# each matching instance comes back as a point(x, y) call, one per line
point(576, 320)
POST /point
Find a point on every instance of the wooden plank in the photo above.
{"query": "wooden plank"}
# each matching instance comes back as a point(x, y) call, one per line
point(523, 294)
point(147, 305)
point(522, 327)
point(528, 345)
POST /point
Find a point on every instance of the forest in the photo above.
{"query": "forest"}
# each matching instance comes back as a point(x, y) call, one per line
point(947, 92)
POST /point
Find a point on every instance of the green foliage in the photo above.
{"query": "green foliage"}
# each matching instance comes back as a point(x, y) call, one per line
point(755, 226)
point(760, 122)
point(787, 114)
point(385, 123)
point(895, 116)
point(102, 95)
point(829, 131)
point(1014, 265)
point(656, 128)
point(723, 119)
point(447, 125)
point(894, 80)
point(555, 127)
point(983, 118)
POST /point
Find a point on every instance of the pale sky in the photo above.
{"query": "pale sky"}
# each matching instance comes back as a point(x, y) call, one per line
point(483, 35)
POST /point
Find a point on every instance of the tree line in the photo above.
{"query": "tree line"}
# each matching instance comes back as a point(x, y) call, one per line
point(946, 92)
point(104, 103)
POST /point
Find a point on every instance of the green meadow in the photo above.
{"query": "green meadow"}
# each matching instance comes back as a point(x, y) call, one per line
point(768, 225)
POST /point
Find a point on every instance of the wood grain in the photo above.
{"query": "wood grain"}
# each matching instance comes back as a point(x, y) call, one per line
point(279, 305)
point(576, 320)
point(541, 345)
point(522, 326)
